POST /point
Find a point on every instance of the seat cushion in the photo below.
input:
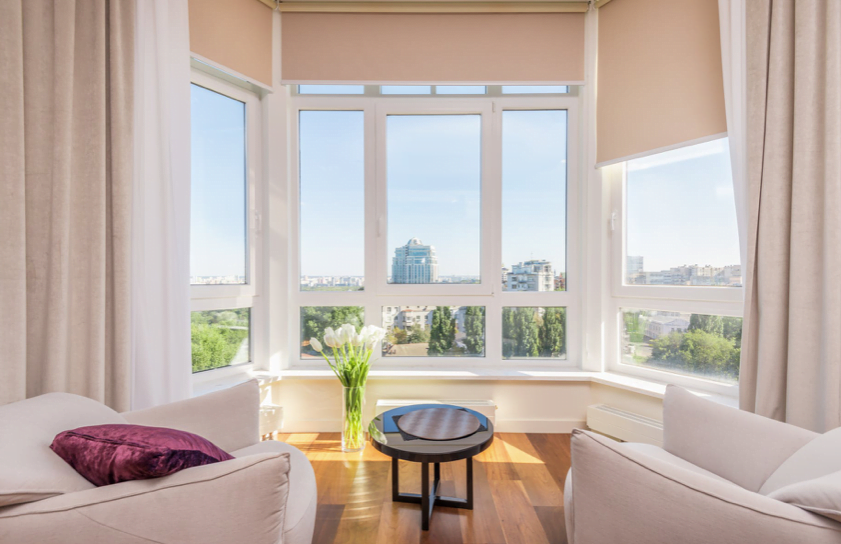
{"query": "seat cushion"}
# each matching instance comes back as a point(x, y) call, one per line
point(820, 495)
point(29, 469)
point(663, 455)
point(817, 458)
point(299, 522)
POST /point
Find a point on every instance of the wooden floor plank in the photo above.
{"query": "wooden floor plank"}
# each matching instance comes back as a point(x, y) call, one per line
point(517, 494)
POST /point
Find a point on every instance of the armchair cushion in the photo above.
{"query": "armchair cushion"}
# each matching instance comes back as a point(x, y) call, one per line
point(29, 469)
point(820, 457)
point(820, 495)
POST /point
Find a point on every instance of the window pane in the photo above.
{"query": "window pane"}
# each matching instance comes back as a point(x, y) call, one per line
point(706, 346)
point(681, 218)
point(530, 333)
point(406, 89)
point(534, 89)
point(315, 319)
point(331, 89)
point(434, 331)
point(218, 189)
point(332, 166)
point(460, 89)
point(220, 338)
point(534, 172)
point(434, 187)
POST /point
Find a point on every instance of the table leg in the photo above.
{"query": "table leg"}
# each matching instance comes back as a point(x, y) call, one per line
point(425, 506)
point(469, 504)
point(395, 480)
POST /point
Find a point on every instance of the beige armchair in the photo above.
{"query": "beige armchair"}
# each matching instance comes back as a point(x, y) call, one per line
point(709, 483)
point(266, 495)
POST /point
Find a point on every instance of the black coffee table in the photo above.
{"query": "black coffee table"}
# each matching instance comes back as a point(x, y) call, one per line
point(399, 445)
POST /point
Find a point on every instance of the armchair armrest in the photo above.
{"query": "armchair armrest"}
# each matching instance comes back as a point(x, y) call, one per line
point(229, 418)
point(241, 500)
point(740, 446)
point(623, 495)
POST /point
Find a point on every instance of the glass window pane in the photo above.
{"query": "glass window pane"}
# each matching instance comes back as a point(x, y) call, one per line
point(315, 319)
point(681, 218)
point(406, 89)
point(534, 175)
point(331, 89)
point(434, 331)
point(220, 338)
point(534, 89)
point(218, 189)
point(332, 169)
point(534, 333)
point(434, 187)
point(706, 346)
point(460, 89)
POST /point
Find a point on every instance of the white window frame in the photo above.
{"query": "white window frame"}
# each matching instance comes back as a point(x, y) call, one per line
point(489, 293)
point(723, 301)
point(247, 295)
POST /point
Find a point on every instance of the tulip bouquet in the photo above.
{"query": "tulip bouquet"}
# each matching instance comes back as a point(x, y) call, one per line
point(351, 362)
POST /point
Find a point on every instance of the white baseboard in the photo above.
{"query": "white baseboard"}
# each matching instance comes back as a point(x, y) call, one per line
point(549, 426)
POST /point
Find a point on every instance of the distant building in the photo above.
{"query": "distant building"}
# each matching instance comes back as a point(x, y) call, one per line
point(634, 267)
point(414, 263)
point(531, 276)
point(661, 325)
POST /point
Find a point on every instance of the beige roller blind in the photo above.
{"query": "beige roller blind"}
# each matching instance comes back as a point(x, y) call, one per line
point(659, 76)
point(491, 48)
point(237, 34)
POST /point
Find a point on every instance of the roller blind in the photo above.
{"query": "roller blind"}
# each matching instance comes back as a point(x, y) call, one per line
point(659, 76)
point(236, 34)
point(493, 48)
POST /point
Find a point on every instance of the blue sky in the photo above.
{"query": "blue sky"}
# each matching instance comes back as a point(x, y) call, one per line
point(680, 208)
point(217, 220)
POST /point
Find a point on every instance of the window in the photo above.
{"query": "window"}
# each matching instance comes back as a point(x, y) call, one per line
point(677, 276)
point(331, 89)
point(534, 89)
point(413, 211)
point(406, 89)
point(225, 137)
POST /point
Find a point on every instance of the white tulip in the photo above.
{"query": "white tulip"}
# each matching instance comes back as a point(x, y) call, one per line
point(316, 345)
point(330, 338)
point(357, 340)
point(349, 331)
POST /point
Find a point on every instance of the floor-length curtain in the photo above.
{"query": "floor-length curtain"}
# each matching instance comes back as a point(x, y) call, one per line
point(791, 341)
point(161, 205)
point(65, 198)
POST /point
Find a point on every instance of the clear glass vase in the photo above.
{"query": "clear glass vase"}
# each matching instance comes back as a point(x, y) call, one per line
point(353, 431)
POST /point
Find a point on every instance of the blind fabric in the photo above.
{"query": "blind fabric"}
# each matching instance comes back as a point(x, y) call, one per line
point(659, 76)
point(383, 48)
point(237, 34)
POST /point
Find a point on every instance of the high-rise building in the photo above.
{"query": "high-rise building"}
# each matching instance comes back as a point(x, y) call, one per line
point(531, 276)
point(414, 263)
point(634, 266)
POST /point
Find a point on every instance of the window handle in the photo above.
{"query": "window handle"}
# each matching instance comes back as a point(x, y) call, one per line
point(613, 217)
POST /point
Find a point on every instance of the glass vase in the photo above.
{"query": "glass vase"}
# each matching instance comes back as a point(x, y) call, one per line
point(353, 431)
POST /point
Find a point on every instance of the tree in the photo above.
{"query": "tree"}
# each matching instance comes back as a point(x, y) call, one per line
point(442, 333)
point(552, 334)
point(214, 346)
point(399, 336)
point(526, 333)
point(474, 330)
point(732, 329)
point(418, 335)
point(316, 319)
point(699, 351)
point(712, 324)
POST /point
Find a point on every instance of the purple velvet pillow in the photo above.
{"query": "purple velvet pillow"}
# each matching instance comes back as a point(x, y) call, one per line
point(109, 454)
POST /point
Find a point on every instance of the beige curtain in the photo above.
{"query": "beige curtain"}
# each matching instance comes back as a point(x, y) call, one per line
point(791, 351)
point(65, 209)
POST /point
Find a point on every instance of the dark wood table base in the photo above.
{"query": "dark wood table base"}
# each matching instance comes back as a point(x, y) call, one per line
point(428, 499)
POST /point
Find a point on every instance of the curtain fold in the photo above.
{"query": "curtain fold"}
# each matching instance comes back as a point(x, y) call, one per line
point(791, 340)
point(66, 157)
point(161, 205)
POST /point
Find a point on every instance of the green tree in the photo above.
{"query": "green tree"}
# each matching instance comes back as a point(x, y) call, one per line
point(441, 335)
point(552, 334)
point(418, 335)
point(399, 336)
point(474, 329)
point(316, 319)
point(214, 346)
point(699, 351)
point(526, 333)
point(712, 324)
point(732, 329)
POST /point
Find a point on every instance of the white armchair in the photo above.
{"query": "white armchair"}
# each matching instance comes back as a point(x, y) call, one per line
point(266, 495)
point(709, 483)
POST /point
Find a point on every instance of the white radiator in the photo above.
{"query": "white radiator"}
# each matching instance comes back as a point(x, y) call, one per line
point(623, 425)
point(485, 407)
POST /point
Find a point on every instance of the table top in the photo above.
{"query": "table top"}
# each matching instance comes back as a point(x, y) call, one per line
point(393, 442)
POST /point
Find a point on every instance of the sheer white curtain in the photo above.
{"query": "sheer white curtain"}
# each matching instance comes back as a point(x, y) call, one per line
point(731, 14)
point(161, 205)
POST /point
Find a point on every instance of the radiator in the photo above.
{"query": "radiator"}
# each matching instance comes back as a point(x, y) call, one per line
point(485, 407)
point(623, 425)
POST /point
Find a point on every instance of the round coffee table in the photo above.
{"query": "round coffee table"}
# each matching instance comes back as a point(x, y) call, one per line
point(397, 444)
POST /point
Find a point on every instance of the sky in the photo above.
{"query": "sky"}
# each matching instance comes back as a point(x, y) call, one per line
point(681, 209)
point(218, 182)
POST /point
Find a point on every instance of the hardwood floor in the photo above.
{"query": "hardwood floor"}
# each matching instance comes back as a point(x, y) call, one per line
point(518, 494)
